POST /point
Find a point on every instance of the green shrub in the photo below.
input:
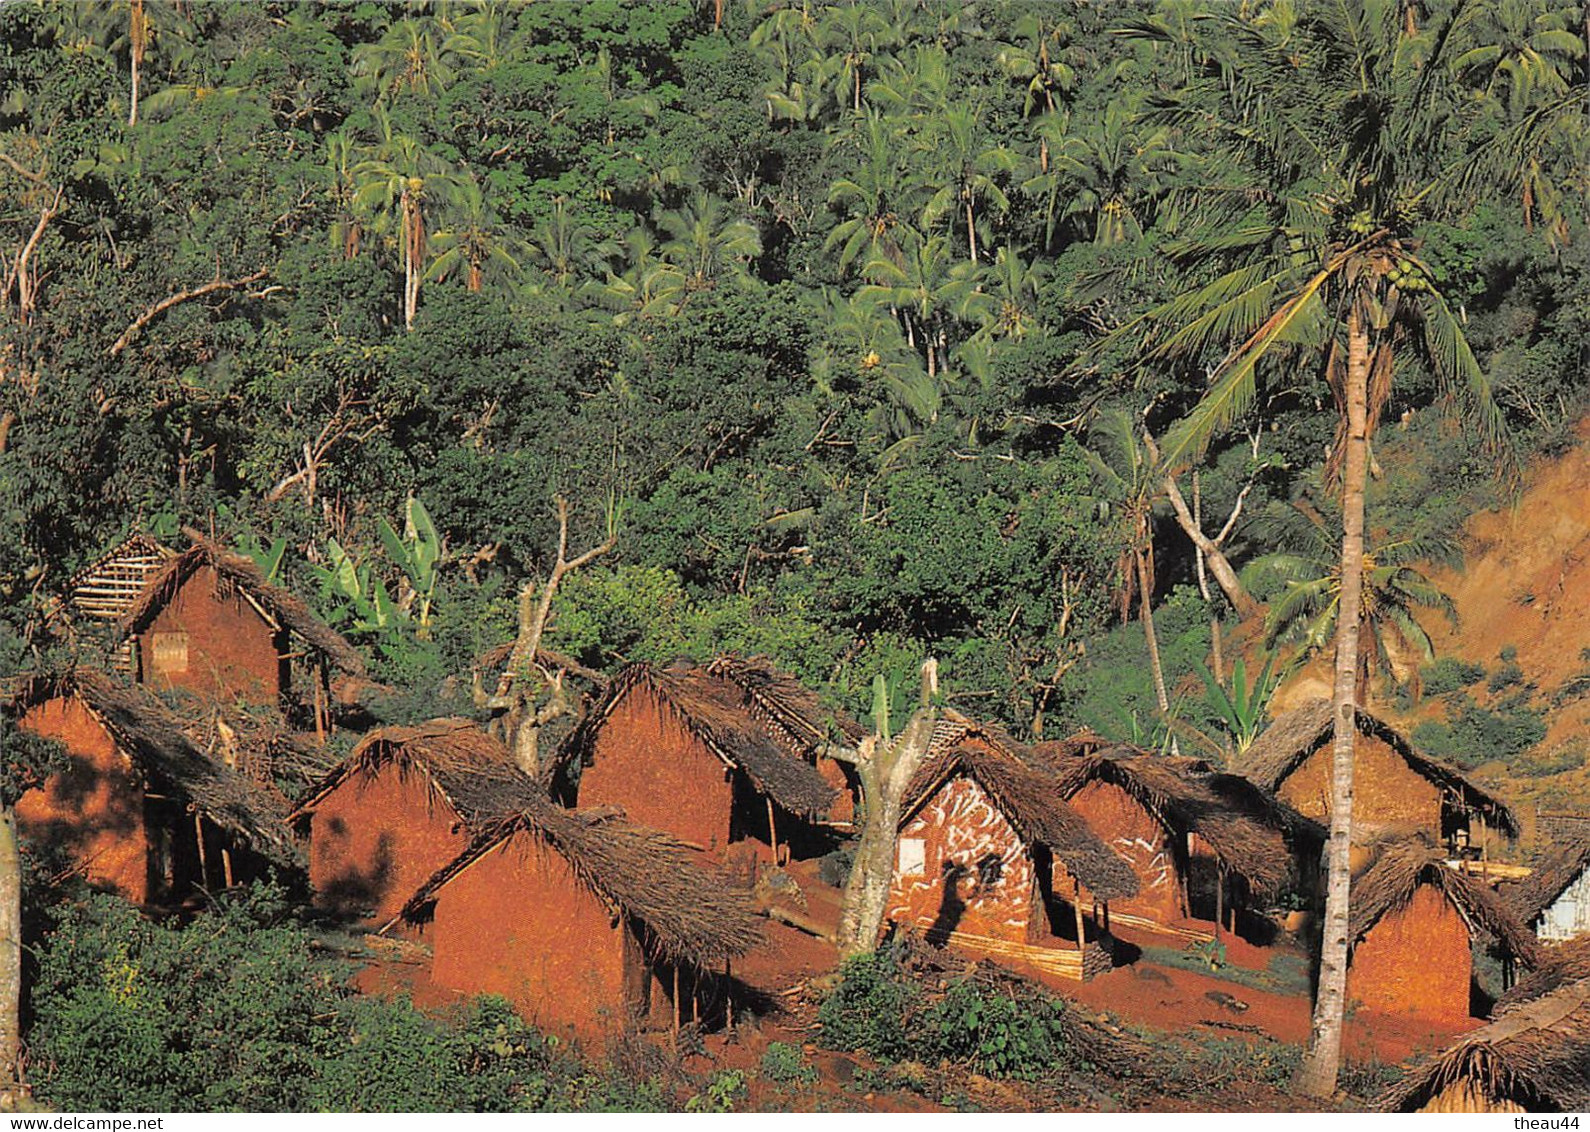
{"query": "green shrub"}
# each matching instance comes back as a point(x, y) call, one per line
point(1449, 674)
point(721, 1091)
point(1475, 735)
point(1540, 764)
point(993, 1032)
point(867, 1011)
point(236, 1011)
point(785, 1064)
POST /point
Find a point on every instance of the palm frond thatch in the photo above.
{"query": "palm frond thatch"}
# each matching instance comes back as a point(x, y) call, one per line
point(1252, 833)
point(1535, 1056)
point(1560, 964)
point(688, 912)
point(1290, 740)
point(1388, 885)
point(1026, 794)
point(468, 770)
point(239, 572)
point(153, 740)
point(737, 725)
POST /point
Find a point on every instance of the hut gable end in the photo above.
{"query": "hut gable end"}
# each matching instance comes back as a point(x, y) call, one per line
point(961, 866)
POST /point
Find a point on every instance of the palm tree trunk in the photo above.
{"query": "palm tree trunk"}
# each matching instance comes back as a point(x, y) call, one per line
point(10, 957)
point(1317, 1074)
point(971, 232)
point(137, 36)
point(1146, 615)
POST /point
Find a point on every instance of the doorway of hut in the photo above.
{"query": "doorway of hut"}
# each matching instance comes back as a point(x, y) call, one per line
point(190, 857)
point(779, 836)
point(1064, 914)
point(1218, 896)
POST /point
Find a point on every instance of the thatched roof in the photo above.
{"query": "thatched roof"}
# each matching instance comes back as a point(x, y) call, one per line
point(1251, 832)
point(153, 740)
point(688, 912)
point(730, 721)
point(1560, 964)
point(1536, 1055)
point(1290, 740)
point(1026, 795)
point(1389, 884)
point(463, 766)
point(792, 711)
point(1552, 875)
point(240, 572)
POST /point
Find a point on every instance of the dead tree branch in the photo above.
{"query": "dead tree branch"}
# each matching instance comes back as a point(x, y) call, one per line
point(165, 304)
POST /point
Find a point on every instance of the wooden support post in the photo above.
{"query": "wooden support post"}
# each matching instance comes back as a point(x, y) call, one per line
point(1076, 904)
point(198, 832)
point(772, 830)
point(728, 992)
point(1106, 915)
point(676, 1000)
point(1220, 897)
point(226, 865)
point(320, 708)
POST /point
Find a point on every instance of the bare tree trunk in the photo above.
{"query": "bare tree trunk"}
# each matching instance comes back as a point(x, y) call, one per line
point(1317, 1074)
point(1216, 653)
point(10, 958)
point(885, 767)
point(514, 697)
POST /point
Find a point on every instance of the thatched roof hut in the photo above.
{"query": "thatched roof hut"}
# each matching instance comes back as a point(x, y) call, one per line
point(1544, 895)
point(463, 767)
point(749, 727)
point(690, 913)
point(1026, 794)
point(166, 760)
point(1559, 965)
point(405, 801)
point(1389, 884)
point(1535, 1057)
point(1293, 739)
point(241, 576)
point(1251, 833)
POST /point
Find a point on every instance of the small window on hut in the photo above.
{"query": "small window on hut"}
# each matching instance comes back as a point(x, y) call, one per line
point(913, 856)
point(168, 652)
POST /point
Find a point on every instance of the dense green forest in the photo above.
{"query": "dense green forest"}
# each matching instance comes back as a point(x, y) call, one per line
point(856, 324)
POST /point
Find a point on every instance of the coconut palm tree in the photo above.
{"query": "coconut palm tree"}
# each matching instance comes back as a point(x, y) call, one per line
point(1517, 52)
point(402, 184)
point(968, 169)
point(566, 250)
point(1042, 58)
point(863, 349)
point(412, 54)
point(473, 242)
point(852, 33)
point(875, 199)
point(1303, 574)
point(707, 242)
point(1131, 481)
point(1335, 125)
point(649, 285)
point(924, 289)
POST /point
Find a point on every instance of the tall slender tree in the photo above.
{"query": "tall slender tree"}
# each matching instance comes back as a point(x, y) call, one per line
point(1336, 125)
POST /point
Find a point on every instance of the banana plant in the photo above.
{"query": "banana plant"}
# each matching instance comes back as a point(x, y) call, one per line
point(417, 553)
point(1242, 709)
point(362, 597)
point(267, 558)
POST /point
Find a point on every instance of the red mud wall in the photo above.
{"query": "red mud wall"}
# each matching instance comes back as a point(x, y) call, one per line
point(231, 651)
point(844, 807)
point(94, 810)
point(1386, 791)
point(992, 892)
point(663, 776)
point(518, 924)
point(1134, 835)
point(375, 839)
point(1415, 962)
